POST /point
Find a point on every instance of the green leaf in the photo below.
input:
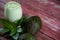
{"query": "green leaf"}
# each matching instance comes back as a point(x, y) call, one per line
point(20, 21)
point(19, 26)
point(4, 30)
point(15, 37)
point(32, 24)
point(13, 32)
point(7, 24)
point(27, 36)
point(19, 30)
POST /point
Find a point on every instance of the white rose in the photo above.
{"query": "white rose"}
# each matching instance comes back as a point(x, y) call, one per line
point(13, 11)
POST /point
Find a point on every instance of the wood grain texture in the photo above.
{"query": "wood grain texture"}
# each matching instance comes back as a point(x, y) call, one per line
point(48, 11)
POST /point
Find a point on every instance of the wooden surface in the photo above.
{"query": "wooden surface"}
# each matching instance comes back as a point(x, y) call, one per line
point(48, 11)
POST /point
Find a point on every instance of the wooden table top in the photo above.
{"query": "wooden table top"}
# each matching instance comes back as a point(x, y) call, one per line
point(48, 11)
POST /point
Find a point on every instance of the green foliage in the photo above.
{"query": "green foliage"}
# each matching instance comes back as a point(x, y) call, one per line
point(28, 25)
point(27, 36)
point(15, 36)
point(24, 18)
point(3, 30)
point(9, 26)
point(32, 24)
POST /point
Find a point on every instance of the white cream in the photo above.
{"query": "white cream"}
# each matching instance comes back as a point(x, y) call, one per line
point(13, 11)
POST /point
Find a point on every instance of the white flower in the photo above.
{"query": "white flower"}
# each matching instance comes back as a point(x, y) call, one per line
point(13, 11)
